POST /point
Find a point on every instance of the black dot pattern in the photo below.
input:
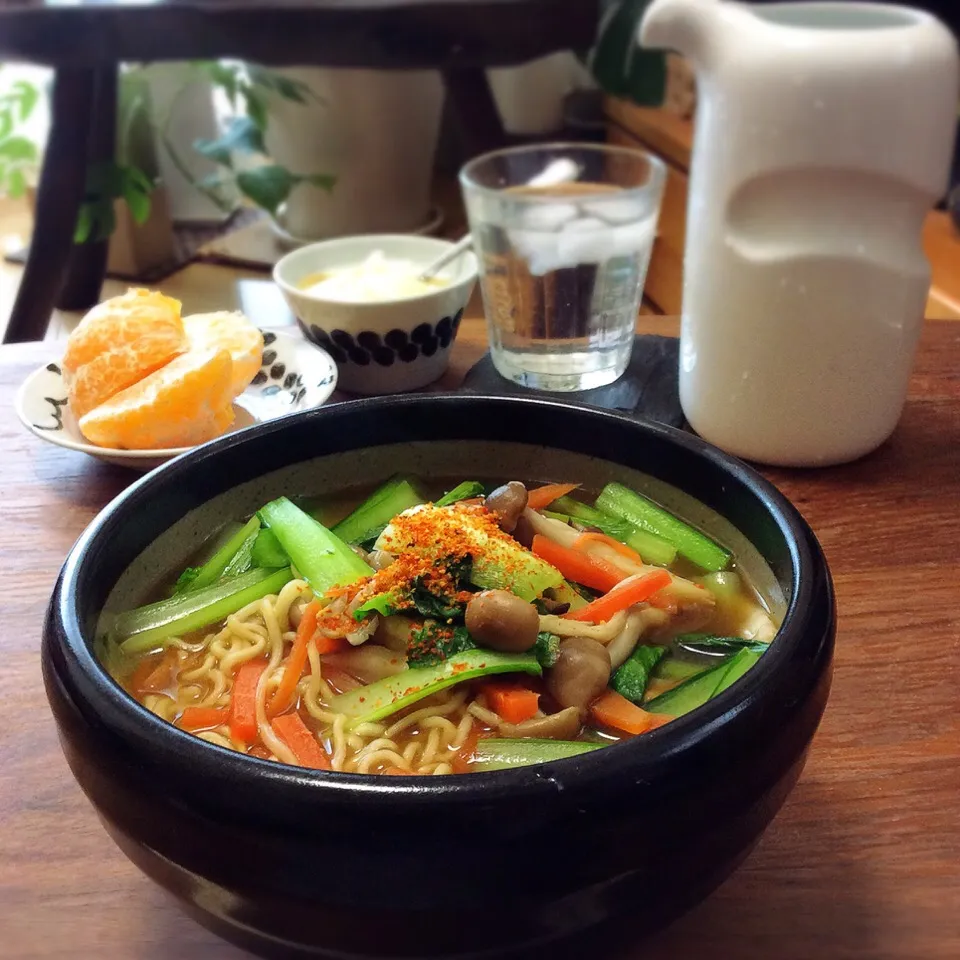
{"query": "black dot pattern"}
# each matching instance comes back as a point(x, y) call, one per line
point(397, 339)
point(275, 376)
point(395, 346)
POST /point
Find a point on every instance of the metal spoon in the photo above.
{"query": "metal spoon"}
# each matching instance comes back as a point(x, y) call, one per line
point(460, 247)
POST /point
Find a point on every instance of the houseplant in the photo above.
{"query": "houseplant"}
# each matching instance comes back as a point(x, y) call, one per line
point(624, 69)
point(19, 152)
point(123, 226)
point(241, 162)
point(328, 152)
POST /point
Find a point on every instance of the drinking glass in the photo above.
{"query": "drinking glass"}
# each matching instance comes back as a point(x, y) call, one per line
point(563, 234)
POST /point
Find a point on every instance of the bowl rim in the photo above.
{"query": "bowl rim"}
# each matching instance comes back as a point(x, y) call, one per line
point(293, 292)
point(810, 584)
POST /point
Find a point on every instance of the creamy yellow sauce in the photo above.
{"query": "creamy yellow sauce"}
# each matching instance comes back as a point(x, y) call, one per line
point(372, 280)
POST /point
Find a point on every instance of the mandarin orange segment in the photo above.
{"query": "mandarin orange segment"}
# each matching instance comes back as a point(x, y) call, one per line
point(184, 403)
point(233, 332)
point(119, 342)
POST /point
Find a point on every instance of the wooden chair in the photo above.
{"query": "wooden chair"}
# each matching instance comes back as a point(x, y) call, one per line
point(86, 41)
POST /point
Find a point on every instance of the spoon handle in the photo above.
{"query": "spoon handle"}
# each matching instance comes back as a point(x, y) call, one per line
point(460, 247)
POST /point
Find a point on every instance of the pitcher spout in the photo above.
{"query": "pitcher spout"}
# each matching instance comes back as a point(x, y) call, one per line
point(687, 26)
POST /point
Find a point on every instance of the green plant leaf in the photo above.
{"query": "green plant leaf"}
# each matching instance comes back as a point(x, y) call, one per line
point(106, 222)
point(28, 96)
point(256, 108)
point(267, 186)
point(16, 184)
point(138, 180)
point(84, 223)
point(6, 122)
point(325, 181)
point(292, 90)
point(105, 181)
point(139, 204)
point(619, 65)
point(221, 75)
point(18, 149)
point(242, 135)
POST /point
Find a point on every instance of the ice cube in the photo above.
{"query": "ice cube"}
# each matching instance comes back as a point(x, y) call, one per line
point(584, 225)
point(633, 239)
point(561, 170)
point(618, 209)
point(538, 248)
point(547, 216)
point(585, 241)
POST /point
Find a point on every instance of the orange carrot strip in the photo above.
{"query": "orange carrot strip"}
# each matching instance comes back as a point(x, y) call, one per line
point(666, 603)
point(203, 718)
point(153, 674)
point(613, 710)
point(543, 496)
point(294, 733)
point(575, 565)
point(332, 644)
point(396, 772)
point(243, 701)
point(296, 661)
point(625, 594)
point(585, 539)
point(464, 756)
point(511, 701)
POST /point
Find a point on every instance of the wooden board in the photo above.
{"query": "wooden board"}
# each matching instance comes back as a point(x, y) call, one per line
point(667, 134)
point(664, 286)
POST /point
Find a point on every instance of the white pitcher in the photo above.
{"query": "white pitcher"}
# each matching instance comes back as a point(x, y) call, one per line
point(824, 134)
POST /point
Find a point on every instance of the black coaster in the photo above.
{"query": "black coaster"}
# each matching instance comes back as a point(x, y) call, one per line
point(648, 388)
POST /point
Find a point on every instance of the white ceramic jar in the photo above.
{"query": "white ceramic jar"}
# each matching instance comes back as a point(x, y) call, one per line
point(824, 133)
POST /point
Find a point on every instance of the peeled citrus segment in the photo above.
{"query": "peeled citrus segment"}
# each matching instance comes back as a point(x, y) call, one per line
point(119, 342)
point(233, 332)
point(182, 404)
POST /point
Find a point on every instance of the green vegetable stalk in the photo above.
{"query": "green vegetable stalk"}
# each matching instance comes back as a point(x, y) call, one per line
point(321, 557)
point(195, 578)
point(148, 627)
point(385, 697)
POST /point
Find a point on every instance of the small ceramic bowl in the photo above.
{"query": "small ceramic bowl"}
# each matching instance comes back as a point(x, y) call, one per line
point(389, 346)
point(293, 376)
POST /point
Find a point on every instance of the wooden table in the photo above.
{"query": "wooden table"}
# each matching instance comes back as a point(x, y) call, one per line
point(864, 860)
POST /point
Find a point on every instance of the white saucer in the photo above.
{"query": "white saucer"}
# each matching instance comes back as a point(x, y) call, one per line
point(295, 375)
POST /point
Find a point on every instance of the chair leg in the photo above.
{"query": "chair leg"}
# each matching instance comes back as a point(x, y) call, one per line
point(475, 110)
point(87, 264)
point(58, 200)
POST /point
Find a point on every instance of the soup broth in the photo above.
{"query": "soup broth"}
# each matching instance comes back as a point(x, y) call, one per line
point(430, 628)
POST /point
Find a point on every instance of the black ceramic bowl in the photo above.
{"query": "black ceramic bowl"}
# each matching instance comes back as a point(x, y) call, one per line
point(282, 859)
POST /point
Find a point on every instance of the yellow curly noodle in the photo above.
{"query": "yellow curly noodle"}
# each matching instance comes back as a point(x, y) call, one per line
point(422, 740)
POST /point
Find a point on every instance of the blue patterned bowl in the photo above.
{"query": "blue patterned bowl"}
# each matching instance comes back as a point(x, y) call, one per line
point(389, 346)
